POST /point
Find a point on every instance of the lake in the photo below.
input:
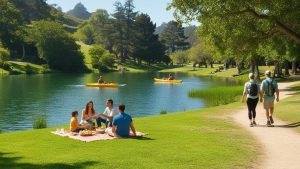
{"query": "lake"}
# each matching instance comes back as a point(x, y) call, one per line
point(23, 97)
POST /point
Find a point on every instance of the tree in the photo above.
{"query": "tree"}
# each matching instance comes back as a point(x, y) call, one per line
point(147, 47)
point(79, 11)
point(33, 9)
point(4, 55)
point(180, 57)
point(11, 23)
point(173, 37)
point(278, 17)
point(101, 58)
point(201, 55)
point(56, 46)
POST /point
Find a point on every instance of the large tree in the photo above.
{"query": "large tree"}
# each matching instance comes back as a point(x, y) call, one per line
point(173, 37)
point(56, 46)
point(147, 47)
point(270, 17)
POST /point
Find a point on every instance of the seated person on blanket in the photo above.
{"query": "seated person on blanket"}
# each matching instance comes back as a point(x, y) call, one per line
point(74, 125)
point(121, 124)
point(88, 114)
point(108, 115)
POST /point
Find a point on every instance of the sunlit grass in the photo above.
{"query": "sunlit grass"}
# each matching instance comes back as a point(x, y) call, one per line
point(218, 95)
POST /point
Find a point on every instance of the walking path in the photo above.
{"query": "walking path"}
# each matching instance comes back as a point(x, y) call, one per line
point(280, 146)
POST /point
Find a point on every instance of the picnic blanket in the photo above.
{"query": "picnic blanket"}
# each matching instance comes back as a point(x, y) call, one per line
point(95, 137)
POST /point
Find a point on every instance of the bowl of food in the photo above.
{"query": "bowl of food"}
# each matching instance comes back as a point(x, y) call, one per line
point(100, 130)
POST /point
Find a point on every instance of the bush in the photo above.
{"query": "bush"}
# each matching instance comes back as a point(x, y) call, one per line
point(180, 57)
point(218, 95)
point(101, 58)
point(39, 122)
point(163, 112)
point(45, 69)
point(4, 55)
point(6, 66)
point(28, 69)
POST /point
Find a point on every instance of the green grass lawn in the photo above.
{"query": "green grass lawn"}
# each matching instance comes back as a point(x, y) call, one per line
point(28, 68)
point(289, 109)
point(205, 138)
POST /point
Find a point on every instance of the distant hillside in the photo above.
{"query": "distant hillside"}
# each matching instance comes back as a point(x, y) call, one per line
point(160, 28)
point(79, 11)
point(33, 10)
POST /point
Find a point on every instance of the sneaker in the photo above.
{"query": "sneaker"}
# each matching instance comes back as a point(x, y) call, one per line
point(271, 120)
point(251, 124)
point(268, 123)
point(254, 123)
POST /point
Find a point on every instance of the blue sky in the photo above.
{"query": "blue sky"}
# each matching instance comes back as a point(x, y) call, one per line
point(155, 8)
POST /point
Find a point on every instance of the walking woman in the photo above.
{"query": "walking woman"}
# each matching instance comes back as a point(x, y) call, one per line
point(251, 89)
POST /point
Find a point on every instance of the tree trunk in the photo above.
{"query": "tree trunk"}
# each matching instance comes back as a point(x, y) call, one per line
point(294, 67)
point(206, 65)
point(277, 72)
point(252, 65)
point(238, 68)
point(23, 51)
point(286, 68)
point(211, 65)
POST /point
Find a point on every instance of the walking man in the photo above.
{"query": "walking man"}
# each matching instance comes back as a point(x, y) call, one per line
point(268, 88)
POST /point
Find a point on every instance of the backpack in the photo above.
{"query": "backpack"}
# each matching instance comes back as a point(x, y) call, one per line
point(253, 91)
point(270, 88)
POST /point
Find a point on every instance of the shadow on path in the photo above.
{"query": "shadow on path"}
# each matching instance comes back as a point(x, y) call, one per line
point(292, 125)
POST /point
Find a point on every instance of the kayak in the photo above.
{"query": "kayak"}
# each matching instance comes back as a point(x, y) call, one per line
point(101, 84)
point(167, 81)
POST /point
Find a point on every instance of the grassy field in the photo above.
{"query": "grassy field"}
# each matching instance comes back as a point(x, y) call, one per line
point(289, 109)
point(229, 73)
point(204, 138)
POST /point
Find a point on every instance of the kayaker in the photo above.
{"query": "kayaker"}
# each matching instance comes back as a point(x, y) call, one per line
point(100, 80)
point(108, 114)
point(170, 77)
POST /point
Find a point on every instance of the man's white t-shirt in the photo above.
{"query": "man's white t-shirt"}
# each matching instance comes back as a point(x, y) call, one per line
point(110, 112)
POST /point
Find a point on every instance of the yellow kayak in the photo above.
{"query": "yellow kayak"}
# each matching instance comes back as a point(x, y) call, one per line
point(101, 84)
point(167, 81)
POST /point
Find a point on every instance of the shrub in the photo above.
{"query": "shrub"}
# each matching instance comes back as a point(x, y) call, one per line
point(163, 112)
point(39, 122)
point(45, 69)
point(28, 69)
point(4, 55)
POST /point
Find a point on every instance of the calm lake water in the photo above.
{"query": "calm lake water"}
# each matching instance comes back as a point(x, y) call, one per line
point(23, 97)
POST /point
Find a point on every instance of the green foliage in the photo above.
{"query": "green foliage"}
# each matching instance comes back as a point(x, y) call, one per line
point(173, 37)
point(57, 47)
point(163, 112)
point(147, 47)
point(201, 55)
point(101, 58)
point(39, 122)
point(4, 55)
point(11, 22)
point(180, 57)
point(218, 95)
point(79, 11)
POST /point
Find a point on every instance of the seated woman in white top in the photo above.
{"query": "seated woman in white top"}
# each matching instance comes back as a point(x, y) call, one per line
point(108, 113)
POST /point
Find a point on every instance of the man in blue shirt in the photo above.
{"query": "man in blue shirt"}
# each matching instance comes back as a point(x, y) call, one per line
point(268, 88)
point(121, 124)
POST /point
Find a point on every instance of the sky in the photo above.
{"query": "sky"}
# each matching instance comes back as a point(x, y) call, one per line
point(156, 9)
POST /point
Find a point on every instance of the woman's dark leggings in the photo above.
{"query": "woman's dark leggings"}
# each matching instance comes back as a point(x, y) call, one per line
point(251, 103)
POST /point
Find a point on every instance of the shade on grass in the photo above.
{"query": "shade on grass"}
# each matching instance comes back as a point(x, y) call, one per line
point(218, 95)
point(204, 138)
point(288, 109)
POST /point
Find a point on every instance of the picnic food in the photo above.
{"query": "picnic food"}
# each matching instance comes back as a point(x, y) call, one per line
point(86, 133)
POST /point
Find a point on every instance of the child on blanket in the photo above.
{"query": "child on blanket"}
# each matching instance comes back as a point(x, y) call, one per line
point(74, 124)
